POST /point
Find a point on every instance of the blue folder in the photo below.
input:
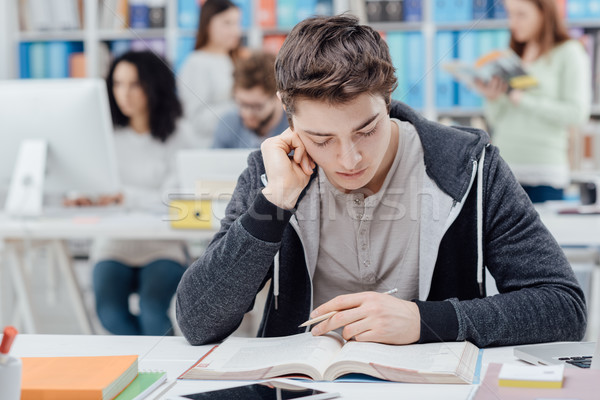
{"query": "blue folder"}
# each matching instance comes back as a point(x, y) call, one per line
point(445, 85)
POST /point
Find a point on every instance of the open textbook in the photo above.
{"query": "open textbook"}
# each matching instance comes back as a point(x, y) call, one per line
point(504, 64)
point(328, 357)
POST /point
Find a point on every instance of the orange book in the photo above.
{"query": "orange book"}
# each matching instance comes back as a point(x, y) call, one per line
point(272, 43)
point(122, 17)
point(267, 14)
point(77, 378)
point(77, 67)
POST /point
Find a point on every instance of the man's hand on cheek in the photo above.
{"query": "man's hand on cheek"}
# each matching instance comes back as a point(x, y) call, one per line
point(286, 176)
point(371, 317)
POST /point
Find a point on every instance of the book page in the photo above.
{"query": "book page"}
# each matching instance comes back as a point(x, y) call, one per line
point(248, 354)
point(430, 357)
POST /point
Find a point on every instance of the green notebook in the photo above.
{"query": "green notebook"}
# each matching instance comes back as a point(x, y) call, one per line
point(142, 385)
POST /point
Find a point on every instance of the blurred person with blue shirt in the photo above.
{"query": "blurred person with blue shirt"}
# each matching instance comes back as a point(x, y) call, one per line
point(259, 113)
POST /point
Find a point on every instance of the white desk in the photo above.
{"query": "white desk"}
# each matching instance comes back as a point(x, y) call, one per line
point(131, 225)
point(20, 236)
point(567, 229)
point(573, 230)
point(175, 355)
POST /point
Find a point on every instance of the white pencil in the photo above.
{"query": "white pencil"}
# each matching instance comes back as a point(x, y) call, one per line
point(332, 313)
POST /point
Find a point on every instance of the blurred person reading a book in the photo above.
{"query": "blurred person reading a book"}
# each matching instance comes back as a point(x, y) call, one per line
point(148, 133)
point(362, 195)
point(530, 127)
point(206, 78)
point(259, 113)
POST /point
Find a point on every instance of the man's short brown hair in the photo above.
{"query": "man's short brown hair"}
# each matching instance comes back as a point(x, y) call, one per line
point(257, 70)
point(333, 59)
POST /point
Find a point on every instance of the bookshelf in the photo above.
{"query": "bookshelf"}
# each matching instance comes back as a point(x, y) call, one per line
point(6, 29)
point(175, 39)
point(91, 36)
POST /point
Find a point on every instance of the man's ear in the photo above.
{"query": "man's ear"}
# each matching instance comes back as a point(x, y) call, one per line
point(279, 97)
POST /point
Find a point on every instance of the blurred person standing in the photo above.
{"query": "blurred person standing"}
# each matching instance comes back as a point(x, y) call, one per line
point(259, 113)
point(206, 77)
point(531, 127)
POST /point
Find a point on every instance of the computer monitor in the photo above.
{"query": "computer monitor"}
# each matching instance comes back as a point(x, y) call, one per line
point(200, 165)
point(72, 118)
point(205, 174)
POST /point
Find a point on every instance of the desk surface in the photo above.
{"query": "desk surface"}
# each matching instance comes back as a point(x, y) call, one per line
point(580, 230)
point(573, 230)
point(567, 229)
point(126, 225)
point(175, 355)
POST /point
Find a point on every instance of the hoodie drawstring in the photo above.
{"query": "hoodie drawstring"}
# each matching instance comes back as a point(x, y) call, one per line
point(276, 279)
point(480, 266)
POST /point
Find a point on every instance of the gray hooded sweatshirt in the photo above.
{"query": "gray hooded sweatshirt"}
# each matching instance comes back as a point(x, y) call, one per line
point(484, 221)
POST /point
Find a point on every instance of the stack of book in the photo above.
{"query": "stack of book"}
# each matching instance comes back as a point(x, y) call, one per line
point(82, 378)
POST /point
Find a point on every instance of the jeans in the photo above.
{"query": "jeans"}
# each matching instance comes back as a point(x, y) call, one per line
point(155, 283)
point(540, 194)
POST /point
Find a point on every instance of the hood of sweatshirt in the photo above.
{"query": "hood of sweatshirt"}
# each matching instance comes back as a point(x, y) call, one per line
point(449, 151)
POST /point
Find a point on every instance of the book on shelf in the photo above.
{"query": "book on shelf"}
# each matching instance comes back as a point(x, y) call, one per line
point(157, 10)
point(113, 14)
point(39, 15)
point(138, 14)
point(267, 14)
point(328, 358)
point(77, 68)
point(445, 86)
point(38, 55)
point(157, 46)
point(483, 9)
point(468, 45)
point(187, 13)
point(65, 14)
point(413, 10)
point(245, 6)
point(415, 65)
point(50, 59)
point(77, 378)
point(504, 64)
point(499, 11)
point(397, 44)
point(305, 9)
point(452, 10)
point(384, 11)
point(286, 13)
point(324, 7)
point(272, 43)
point(57, 59)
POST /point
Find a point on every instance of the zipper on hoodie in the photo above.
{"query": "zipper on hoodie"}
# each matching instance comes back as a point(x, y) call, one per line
point(294, 223)
point(475, 165)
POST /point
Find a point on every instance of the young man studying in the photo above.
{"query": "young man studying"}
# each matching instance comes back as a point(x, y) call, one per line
point(375, 198)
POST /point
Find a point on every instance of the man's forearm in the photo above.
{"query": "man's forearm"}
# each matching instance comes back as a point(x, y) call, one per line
point(217, 290)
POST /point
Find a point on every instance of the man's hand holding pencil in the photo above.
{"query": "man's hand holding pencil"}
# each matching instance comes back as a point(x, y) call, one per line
point(369, 317)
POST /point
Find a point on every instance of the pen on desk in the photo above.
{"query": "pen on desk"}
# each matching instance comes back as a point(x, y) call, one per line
point(332, 313)
point(10, 332)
